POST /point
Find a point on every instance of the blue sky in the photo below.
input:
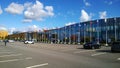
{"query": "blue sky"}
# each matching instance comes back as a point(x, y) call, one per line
point(26, 15)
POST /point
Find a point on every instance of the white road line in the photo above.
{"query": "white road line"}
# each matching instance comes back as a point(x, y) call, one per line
point(12, 60)
point(10, 55)
point(98, 54)
point(83, 51)
point(118, 58)
point(5, 52)
point(40, 65)
point(28, 58)
point(67, 50)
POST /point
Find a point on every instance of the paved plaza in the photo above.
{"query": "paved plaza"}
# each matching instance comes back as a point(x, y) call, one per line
point(41, 55)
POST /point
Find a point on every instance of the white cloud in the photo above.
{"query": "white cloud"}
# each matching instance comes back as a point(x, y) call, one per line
point(84, 16)
point(103, 14)
point(1, 10)
point(86, 3)
point(70, 23)
point(15, 8)
point(32, 28)
point(38, 12)
point(11, 30)
point(28, 4)
point(27, 20)
point(3, 28)
point(108, 2)
point(50, 10)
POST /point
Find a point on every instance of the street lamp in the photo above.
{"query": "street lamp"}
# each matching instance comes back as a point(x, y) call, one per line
point(42, 36)
point(84, 34)
point(90, 31)
point(74, 34)
point(69, 34)
point(106, 31)
point(55, 35)
point(79, 33)
point(58, 35)
point(62, 34)
point(65, 35)
point(97, 31)
point(115, 30)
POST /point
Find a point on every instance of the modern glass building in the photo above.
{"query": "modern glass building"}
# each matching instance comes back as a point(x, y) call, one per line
point(102, 31)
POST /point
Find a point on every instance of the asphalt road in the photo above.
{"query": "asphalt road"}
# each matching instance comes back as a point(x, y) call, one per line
point(40, 55)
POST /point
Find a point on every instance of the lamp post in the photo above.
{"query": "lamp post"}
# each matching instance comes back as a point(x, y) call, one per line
point(51, 31)
point(97, 31)
point(58, 35)
point(115, 30)
point(62, 34)
point(65, 35)
point(55, 35)
point(69, 34)
point(90, 31)
point(74, 34)
point(79, 34)
point(42, 37)
point(84, 33)
point(106, 32)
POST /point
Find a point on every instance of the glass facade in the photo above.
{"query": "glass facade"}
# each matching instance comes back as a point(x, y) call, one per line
point(102, 31)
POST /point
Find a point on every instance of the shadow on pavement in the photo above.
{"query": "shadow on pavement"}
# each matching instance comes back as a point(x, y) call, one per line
point(103, 51)
point(84, 48)
point(108, 51)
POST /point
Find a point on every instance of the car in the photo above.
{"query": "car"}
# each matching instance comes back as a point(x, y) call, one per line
point(115, 47)
point(29, 42)
point(11, 41)
point(1, 40)
point(91, 45)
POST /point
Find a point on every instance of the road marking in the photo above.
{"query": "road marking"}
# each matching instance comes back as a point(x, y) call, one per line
point(28, 58)
point(83, 51)
point(12, 60)
point(67, 50)
point(5, 52)
point(98, 54)
point(40, 65)
point(118, 58)
point(10, 55)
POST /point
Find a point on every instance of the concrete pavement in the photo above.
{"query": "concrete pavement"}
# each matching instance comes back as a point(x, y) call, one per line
point(40, 55)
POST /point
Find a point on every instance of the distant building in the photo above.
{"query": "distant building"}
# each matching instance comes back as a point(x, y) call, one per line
point(3, 34)
point(23, 36)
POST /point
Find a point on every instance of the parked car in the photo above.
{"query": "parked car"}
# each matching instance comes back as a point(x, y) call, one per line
point(1, 40)
point(115, 46)
point(11, 41)
point(29, 42)
point(91, 45)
